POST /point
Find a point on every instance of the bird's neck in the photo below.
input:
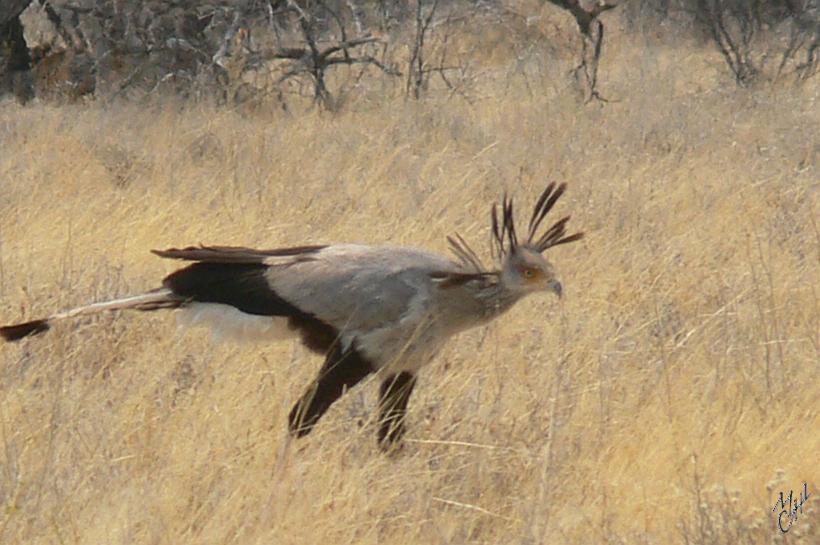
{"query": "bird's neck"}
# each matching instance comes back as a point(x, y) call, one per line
point(496, 299)
point(476, 302)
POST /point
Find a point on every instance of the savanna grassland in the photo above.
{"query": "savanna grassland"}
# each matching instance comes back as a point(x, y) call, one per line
point(667, 398)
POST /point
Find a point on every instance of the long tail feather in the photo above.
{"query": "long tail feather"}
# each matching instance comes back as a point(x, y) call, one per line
point(16, 332)
point(152, 300)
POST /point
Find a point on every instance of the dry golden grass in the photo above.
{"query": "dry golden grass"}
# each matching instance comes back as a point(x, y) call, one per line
point(655, 404)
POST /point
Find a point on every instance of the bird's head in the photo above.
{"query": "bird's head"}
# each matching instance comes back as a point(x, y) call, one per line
point(523, 266)
point(528, 271)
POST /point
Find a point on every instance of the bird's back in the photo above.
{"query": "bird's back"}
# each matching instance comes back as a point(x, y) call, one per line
point(359, 288)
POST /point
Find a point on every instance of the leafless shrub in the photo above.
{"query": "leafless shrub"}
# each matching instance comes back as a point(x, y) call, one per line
point(750, 35)
point(804, 39)
point(416, 68)
point(592, 39)
point(127, 46)
point(236, 51)
point(733, 27)
point(316, 51)
point(436, 53)
point(757, 39)
point(215, 48)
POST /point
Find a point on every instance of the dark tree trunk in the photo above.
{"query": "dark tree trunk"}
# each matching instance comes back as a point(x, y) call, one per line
point(15, 62)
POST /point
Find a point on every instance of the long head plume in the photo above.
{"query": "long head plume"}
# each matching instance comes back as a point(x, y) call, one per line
point(504, 237)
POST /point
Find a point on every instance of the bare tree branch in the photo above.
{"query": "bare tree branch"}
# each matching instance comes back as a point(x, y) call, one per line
point(592, 36)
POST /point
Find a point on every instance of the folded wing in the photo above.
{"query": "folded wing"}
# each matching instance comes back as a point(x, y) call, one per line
point(326, 293)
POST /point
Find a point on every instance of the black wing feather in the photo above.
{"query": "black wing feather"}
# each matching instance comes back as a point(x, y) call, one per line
point(233, 254)
point(245, 287)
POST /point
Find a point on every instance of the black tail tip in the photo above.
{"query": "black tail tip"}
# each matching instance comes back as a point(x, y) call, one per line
point(16, 332)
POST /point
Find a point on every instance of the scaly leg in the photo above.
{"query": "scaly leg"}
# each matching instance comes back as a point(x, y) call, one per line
point(340, 372)
point(394, 394)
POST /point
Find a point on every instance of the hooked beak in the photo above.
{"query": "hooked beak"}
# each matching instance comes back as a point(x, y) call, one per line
point(555, 286)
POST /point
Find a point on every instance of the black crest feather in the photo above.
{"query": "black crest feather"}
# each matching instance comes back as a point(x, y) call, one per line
point(504, 237)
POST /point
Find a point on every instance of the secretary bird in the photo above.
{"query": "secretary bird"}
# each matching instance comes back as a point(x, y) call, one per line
point(367, 309)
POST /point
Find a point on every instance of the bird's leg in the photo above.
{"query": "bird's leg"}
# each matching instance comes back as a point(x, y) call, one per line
point(341, 371)
point(394, 394)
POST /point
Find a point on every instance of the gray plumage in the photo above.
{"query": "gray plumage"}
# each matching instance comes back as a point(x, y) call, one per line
point(383, 309)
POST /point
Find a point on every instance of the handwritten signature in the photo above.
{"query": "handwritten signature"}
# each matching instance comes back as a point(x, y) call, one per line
point(789, 510)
